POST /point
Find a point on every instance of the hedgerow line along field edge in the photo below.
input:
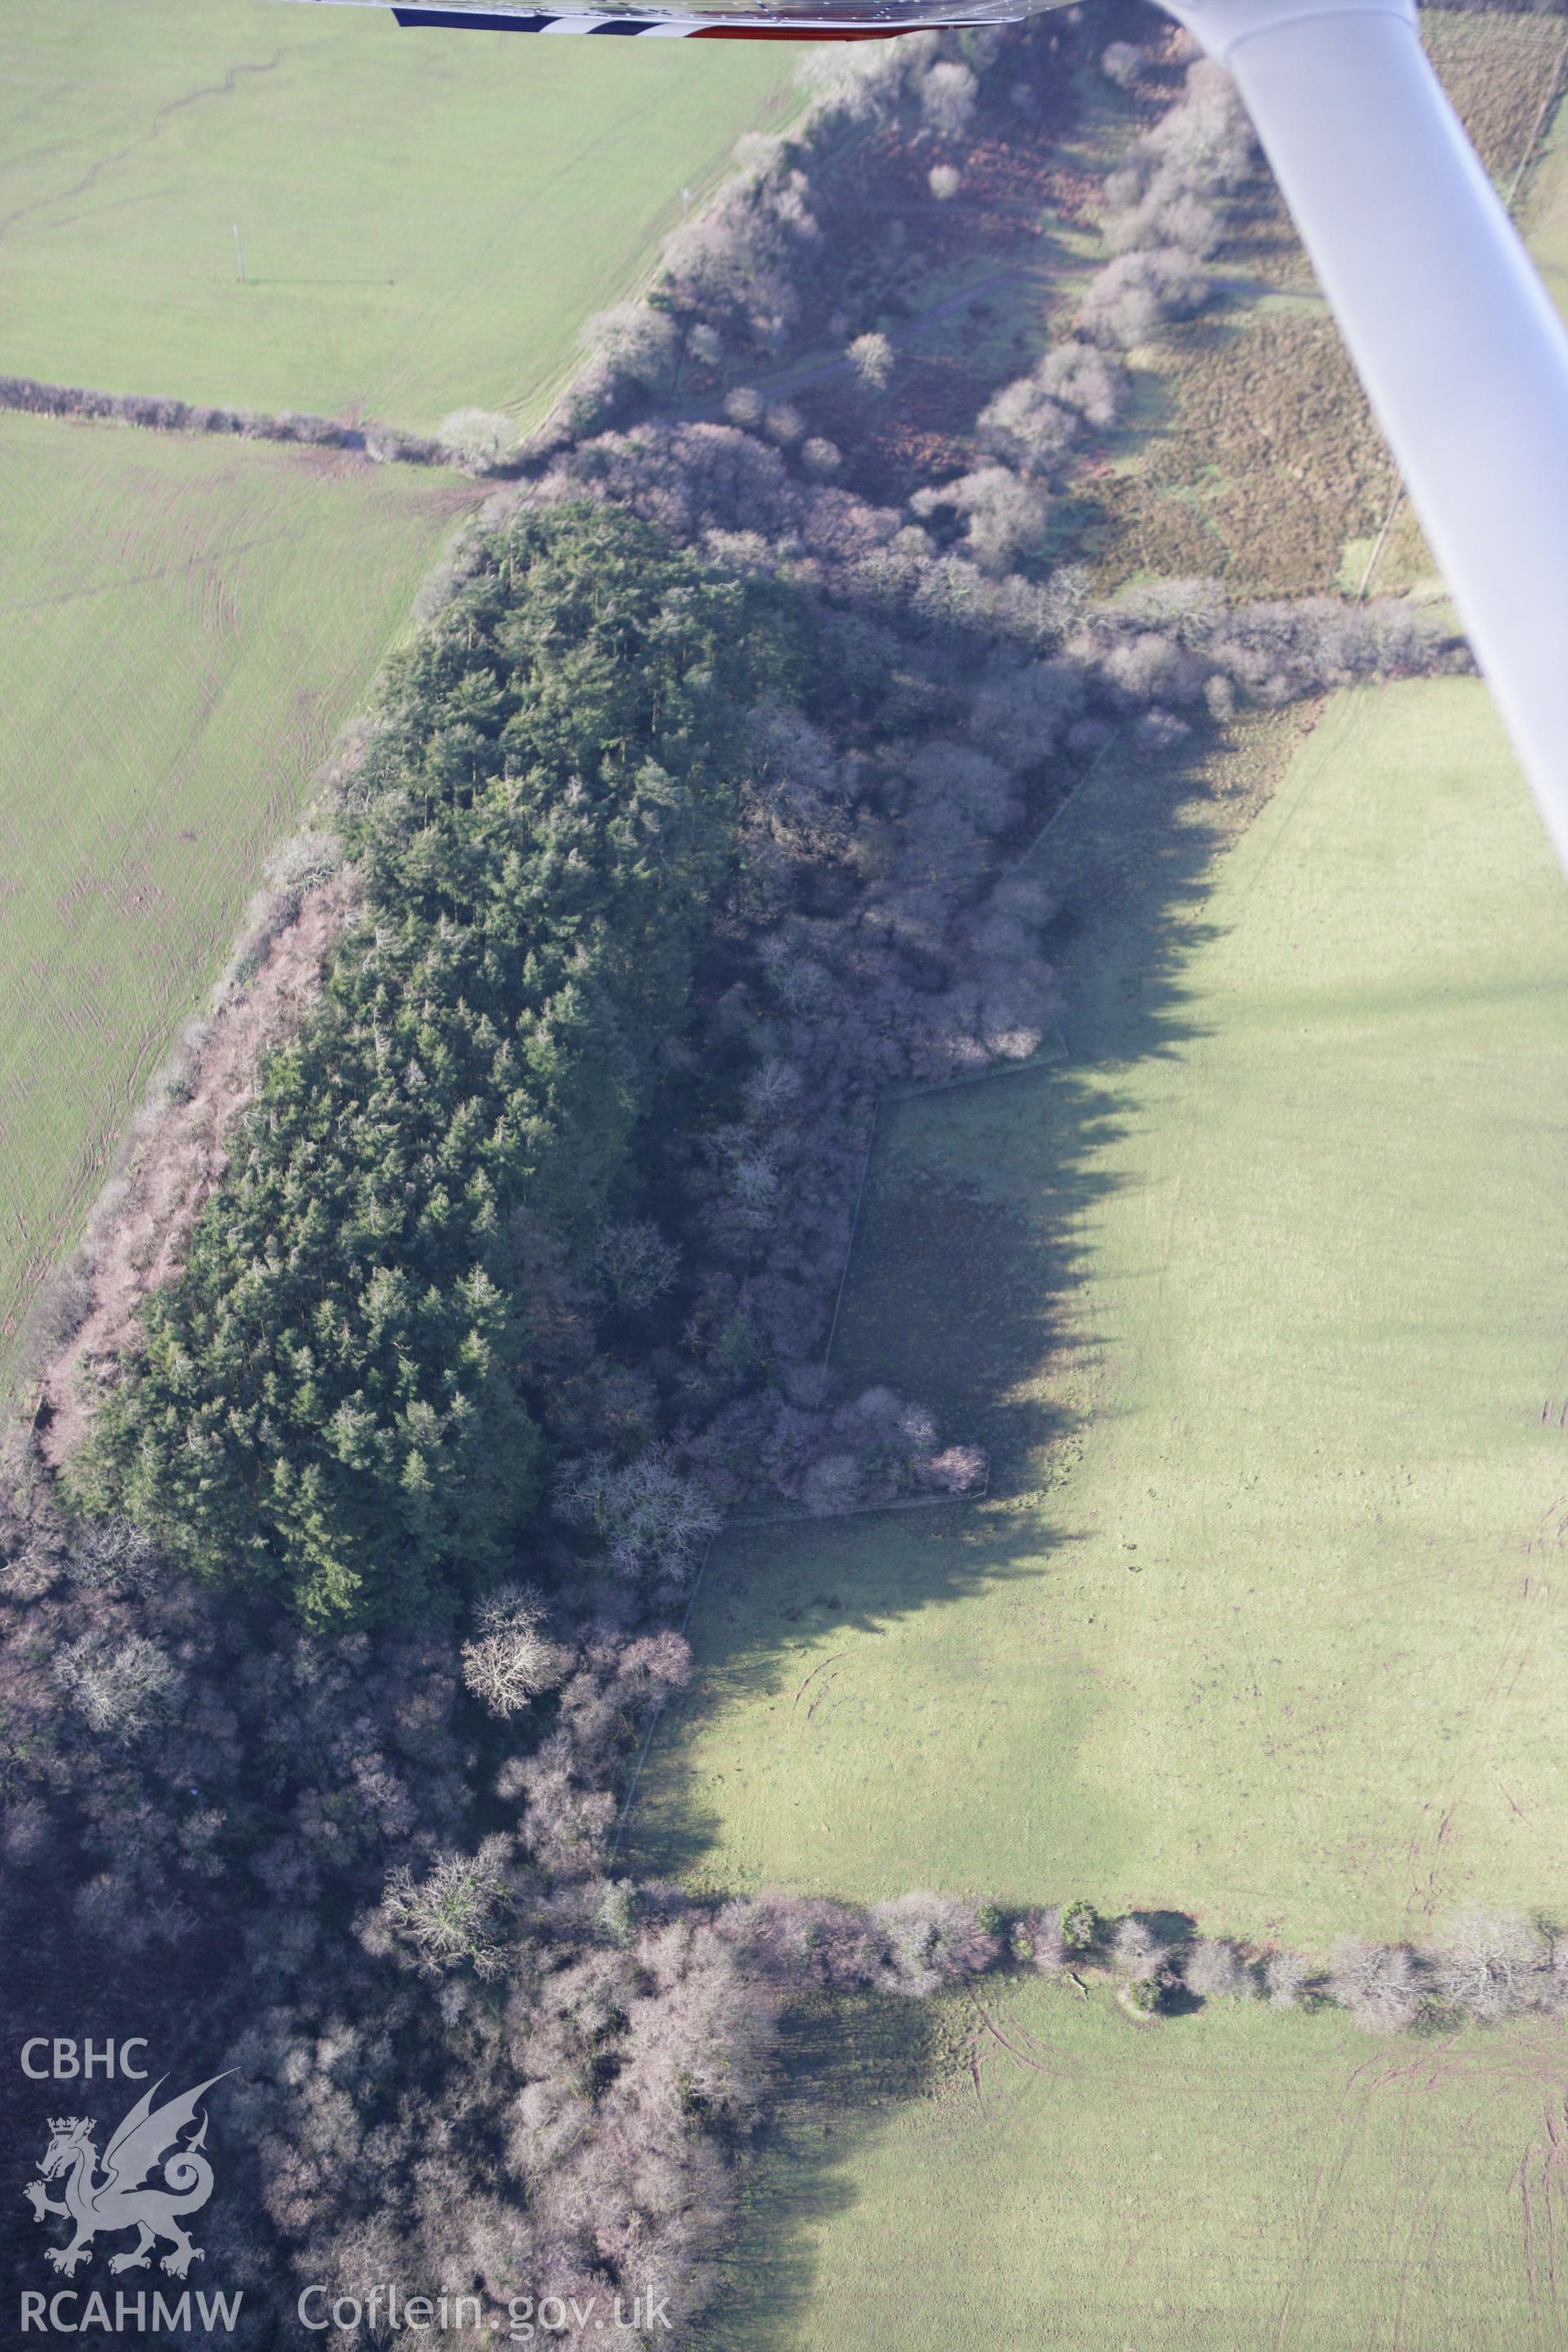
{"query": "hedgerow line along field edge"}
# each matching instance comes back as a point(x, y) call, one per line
point(425, 226)
point(173, 106)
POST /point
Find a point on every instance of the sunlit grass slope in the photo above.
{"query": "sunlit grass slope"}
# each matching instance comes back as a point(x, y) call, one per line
point(425, 218)
point(183, 628)
point(1239, 2181)
point(1259, 1300)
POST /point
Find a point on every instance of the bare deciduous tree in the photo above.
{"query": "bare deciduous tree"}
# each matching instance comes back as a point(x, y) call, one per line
point(1121, 64)
point(948, 94)
point(1286, 1976)
point(871, 357)
point(1138, 1952)
point(478, 438)
point(637, 1261)
point(454, 1915)
point(120, 1685)
point(511, 1659)
point(1377, 1983)
point(1488, 1960)
point(1212, 1968)
point(653, 1522)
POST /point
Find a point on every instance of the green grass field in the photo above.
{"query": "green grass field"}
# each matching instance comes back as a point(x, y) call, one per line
point(1258, 1300)
point(425, 223)
point(425, 218)
point(185, 627)
point(1237, 2181)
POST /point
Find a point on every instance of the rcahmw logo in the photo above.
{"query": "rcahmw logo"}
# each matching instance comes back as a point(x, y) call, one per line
point(149, 2178)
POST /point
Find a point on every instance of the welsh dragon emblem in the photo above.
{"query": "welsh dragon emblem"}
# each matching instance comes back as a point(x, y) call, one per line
point(117, 2198)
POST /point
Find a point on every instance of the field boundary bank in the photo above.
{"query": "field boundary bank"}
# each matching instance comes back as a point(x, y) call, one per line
point(149, 413)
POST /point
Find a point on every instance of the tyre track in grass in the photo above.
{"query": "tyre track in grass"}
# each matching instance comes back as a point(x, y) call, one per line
point(225, 88)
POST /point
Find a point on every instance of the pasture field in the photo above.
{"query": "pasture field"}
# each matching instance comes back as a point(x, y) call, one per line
point(1258, 1298)
point(1242, 2180)
point(185, 625)
point(426, 219)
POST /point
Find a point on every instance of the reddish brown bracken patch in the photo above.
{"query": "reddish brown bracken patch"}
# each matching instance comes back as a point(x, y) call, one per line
point(138, 1236)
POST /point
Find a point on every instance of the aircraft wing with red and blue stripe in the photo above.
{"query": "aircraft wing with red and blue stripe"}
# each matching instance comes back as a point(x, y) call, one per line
point(711, 20)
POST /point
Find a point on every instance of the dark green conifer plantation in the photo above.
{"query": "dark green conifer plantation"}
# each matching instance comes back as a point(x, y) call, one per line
point(328, 1407)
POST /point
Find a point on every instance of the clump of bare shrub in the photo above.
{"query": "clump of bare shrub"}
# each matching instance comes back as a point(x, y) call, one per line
point(1286, 1976)
point(480, 440)
point(653, 1521)
point(1215, 1969)
point(1492, 1964)
point(510, 1658)
point(915, 1945)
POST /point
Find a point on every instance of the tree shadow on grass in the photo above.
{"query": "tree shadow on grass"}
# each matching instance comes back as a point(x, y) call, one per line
point(972, 1248)
point(845, 2065)
point(967, 1287)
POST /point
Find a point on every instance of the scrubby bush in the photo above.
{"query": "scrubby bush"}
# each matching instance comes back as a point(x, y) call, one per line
point(1023, 425)
point(1137, 1951)
point(1132, 297)
point(1004, 516)
point(1488, 1962)
point(948, 94)
point(930, 1940)
point(1214, 1969)
point(1080, 1926)
point(479, 439)
point(1287, 1976)
point(871, 358)
point(1121, 63)
point(1039, 1941)
point(1379, 1984)
point(636, 343)
point(1084, 378)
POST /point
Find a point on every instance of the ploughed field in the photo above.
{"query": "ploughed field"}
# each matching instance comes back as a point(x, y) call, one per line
point(426, 219)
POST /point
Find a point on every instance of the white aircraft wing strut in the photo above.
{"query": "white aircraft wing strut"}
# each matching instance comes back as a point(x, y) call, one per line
point(1464, 359)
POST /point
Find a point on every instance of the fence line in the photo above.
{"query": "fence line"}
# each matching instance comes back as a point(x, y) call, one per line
point(858, 1510)
point(653, 1721)
point(854, 1229)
